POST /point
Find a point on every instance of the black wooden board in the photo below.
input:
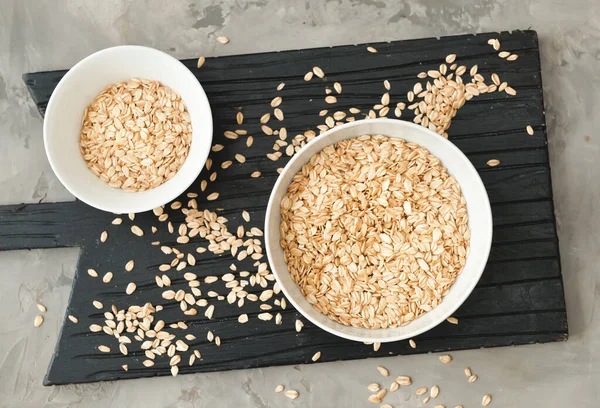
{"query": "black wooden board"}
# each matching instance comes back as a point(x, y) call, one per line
point(519, 299)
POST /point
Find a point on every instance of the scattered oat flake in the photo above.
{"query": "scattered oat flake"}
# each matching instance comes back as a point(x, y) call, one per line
point(412, 343)
point(239, 118)
point(494, 42)
point(73, 319)
point(265, 316)
point(316, 356)
point(103, 236)
point(229, 135)
point(467, 371)
point(212, 196)
point(493, 162)
point(292, 394)
point(387, 84)
point(308, 76)
point(338, 87)
point(529, 130)
point(487, 398)
point(42, 308)
point(92, 273)
point(386, 406)
point(129, 266)
point(299, 325)
point(383, 371)
point(372, 49)
point(246, 216)
point(452, 320)
point(279, 388)
point(318, 72)
point(276, 101)
point(376, 346)
point(512, 57)
point(97, 304)
point(104, 349)
point(404, 380)
point(373, 387)
point(137, 230)
point(473, 378)
point(421, 391)
point(278, 113)
point(200, 62)
point(130, 288)
point(330, 99)
point(37, 322)
point(209, 311)
point(446, 358)
point(435, 391)
point(222, 39)
point(503, 54)
point(374, 399)
point(280, 86)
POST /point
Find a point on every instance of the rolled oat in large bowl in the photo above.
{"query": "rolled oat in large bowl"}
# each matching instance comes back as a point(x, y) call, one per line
point(374, 231)
point(378, 238)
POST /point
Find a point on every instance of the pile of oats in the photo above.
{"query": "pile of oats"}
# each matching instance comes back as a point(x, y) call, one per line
point(374, 231)
point(136, 134)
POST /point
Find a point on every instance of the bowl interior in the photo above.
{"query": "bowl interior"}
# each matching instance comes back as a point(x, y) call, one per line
point(478, 207)
point(80, 86)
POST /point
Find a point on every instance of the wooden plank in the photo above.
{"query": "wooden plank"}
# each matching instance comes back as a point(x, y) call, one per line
point(519, 299)
point(48, 225)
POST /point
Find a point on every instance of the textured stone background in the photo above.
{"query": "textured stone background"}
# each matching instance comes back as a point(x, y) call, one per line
point(40, 35)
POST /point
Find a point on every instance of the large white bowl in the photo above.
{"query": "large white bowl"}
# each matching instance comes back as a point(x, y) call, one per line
point(80, 86)
point(480, 223)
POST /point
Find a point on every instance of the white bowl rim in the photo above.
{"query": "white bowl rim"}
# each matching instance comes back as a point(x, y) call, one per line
point(331, 329)
point(142, 206)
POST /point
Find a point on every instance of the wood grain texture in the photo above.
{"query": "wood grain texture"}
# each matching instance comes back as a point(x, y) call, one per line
point(519, 299)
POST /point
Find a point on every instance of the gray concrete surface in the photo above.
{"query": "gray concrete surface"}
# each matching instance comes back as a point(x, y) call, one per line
point(43, 35)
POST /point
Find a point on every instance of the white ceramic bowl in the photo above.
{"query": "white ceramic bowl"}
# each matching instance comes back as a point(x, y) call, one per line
point(80, 86)
point(478, 207)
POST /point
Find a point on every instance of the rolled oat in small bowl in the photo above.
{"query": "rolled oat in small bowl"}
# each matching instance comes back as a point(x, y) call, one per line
point(128, 129)
point(136, 134)
point(371, 230)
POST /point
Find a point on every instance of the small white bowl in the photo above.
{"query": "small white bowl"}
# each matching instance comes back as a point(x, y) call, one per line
point(77, 90)
point(480, 223)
